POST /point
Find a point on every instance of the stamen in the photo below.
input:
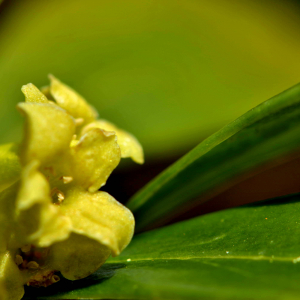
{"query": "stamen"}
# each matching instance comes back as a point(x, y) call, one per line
point(66, 179)
point(32, 265)
point(43, 278)
point(60, 196)
point(79, 121)
point(26, 248)
point(18, 259)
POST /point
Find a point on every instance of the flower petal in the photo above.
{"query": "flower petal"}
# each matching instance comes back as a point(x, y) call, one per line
point(11, 281)
point(7, 213)
point(94, 158)
point(10, 167)
point(48, 132)
point(130, 147)
point(78, 256)
point(100, 217)
point(71, 101)
point(33, 94)
point(39, 222)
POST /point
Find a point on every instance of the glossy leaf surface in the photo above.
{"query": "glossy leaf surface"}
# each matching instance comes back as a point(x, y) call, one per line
point(242, 253)
point(257, 140)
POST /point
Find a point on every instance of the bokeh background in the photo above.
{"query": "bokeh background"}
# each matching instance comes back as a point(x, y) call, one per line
point(171, 72)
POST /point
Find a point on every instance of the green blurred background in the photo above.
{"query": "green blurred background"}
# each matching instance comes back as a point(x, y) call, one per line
point(171, 72)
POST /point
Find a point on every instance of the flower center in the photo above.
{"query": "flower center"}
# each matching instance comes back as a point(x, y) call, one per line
point(32, 260)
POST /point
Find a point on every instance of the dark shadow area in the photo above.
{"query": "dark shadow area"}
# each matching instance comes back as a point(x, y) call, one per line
point(106, 272)
point(124, 182)
point(293, 198)
point(277, 185)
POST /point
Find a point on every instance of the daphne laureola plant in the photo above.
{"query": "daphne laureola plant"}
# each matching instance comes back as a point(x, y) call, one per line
point(53, 216)
point(56, 222)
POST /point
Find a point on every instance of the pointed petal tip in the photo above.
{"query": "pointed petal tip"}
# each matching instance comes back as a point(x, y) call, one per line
point(23, 88)
point(51, 77)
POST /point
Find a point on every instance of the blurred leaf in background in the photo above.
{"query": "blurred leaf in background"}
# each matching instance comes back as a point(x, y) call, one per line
point(171, 72)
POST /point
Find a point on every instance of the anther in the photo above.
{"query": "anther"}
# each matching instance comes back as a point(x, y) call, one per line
point(32, 265)
point(66, 179)
point(60, 196)
point(26, 248)
point(18, 259)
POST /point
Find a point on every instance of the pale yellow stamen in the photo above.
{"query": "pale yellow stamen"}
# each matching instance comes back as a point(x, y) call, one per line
point(18, 259)
point(60, 196)
point(79, 121)
point(74, 137)
point(66, 179)
point(32, 265)
point(26, 248)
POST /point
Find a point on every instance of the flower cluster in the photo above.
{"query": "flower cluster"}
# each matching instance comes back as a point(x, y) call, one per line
point(53, 216)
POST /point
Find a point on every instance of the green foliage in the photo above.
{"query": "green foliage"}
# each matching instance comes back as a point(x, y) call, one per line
point(264, 134)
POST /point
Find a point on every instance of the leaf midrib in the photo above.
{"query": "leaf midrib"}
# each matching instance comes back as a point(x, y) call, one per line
point(244, 257)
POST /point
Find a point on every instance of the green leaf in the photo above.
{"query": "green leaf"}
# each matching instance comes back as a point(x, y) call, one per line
point(253, 142)
point(244, 253)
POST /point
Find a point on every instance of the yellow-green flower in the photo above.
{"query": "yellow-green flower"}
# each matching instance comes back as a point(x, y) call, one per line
point(52, 216)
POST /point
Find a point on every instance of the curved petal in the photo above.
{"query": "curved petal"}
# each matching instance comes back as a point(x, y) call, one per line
point(100, 217)
point(33, 94)
point(130, 147)
point(48, 132)
point(10, 166)
point(71, 101)
point(39, 222)
point(78, 256)
point(11, 280)
point(94, 157)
